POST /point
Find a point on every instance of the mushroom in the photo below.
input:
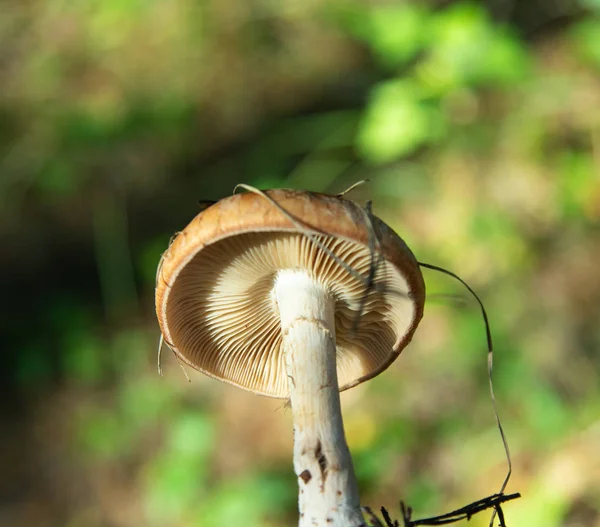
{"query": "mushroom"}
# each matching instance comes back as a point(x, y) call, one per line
point(264, 290)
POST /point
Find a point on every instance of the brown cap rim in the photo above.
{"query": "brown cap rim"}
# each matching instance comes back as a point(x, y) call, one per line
point(321, 213)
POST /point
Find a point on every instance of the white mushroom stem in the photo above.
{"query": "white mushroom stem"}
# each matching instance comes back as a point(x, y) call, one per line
point(328, 493)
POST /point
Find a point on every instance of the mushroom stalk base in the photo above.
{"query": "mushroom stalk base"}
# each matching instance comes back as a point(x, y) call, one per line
point(328, 493)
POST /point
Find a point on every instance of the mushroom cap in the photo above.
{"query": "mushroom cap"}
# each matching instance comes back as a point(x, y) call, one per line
point(214, 287)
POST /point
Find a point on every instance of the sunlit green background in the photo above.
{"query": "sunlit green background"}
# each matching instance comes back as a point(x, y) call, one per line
point(478, 125)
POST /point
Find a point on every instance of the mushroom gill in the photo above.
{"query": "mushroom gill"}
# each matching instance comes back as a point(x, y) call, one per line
point(224, 321)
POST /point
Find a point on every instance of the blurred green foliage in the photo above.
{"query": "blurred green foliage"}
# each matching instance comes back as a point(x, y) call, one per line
point(437, 53)
point(481, 144)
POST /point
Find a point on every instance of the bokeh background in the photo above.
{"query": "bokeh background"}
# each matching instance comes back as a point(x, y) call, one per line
point(478, 125)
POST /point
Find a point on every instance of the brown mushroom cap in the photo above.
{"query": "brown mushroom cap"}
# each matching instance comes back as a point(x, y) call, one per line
point(214, 288)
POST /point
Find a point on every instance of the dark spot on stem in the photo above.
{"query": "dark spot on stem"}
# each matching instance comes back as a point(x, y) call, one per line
point(322, 460)
point(305, 476)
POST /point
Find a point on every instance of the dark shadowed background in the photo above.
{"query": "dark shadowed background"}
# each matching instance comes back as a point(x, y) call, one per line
point(478, 125)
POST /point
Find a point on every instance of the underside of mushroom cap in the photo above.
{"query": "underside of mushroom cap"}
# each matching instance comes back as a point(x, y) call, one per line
point(215, 287)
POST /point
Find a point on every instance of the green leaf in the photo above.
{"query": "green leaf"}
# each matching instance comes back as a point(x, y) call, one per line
point(397, 32)
point(591, 4)
point(58, 179)
point(102, 435)
point(397, 121)
point(586, 38)
point(468, 49)
point(129, 353)
point(505, 62)
point(84, 357)
point(143, 400)
point(173, 486)
point(578, 184)
point(192, 435)
point(238, 503)
point(547, 413)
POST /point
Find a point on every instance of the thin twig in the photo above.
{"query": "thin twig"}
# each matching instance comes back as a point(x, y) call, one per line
point(464, 513)
point(352, 187)
point(490, 363)
point(161, 342)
